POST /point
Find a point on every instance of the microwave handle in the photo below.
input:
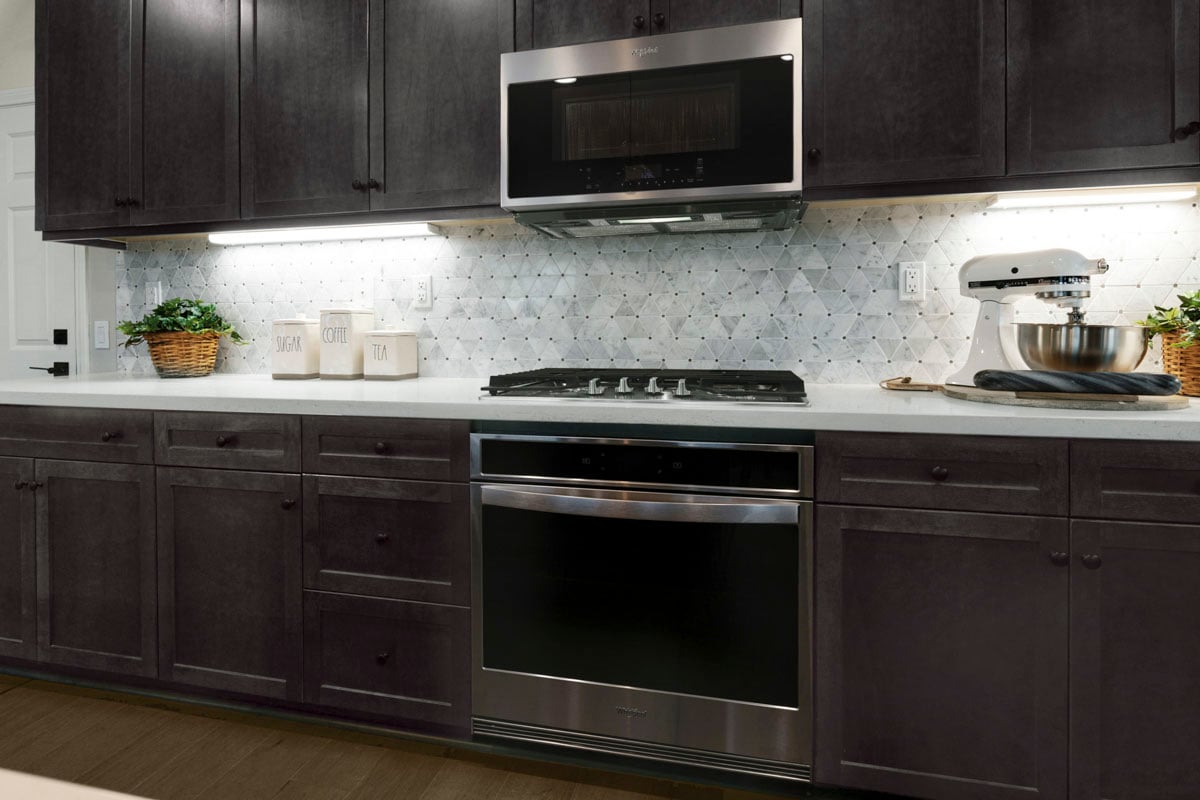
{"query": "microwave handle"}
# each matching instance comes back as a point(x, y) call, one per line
point(642, 506)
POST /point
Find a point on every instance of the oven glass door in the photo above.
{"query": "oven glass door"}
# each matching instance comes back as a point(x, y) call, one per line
point(729, 124)
point(690, 595)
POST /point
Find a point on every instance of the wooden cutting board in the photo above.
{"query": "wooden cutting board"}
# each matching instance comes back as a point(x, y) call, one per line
point(1069, 400)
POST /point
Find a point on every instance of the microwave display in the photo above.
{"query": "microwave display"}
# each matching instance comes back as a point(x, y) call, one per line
point(727, 124)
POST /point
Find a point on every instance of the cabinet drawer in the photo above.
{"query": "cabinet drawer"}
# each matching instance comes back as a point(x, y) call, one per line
point(82, 434)
point(956, 473)
point(389, 659)
point(269, 442)
point(418, 449)
point(1152, 481)
point(403, 539)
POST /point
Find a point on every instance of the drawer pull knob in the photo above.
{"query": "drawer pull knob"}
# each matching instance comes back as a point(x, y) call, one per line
point(381, 447)
point(288, 505)
point(382, 537)
point(35, 485)
point(108, 436)
point(226, 440)
point(19, 485)
point(382, 658)
point(1091, 560)
point(1060, 559)
point(939, 473)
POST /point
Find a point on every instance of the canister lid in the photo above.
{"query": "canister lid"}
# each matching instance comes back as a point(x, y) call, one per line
point(298, 321)
point(393, 333)
point(348, 311)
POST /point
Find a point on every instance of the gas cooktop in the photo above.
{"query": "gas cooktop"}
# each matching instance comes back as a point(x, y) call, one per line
point(655, 385)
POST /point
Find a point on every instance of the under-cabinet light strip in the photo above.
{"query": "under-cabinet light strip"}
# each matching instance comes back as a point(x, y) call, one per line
point(330, 234)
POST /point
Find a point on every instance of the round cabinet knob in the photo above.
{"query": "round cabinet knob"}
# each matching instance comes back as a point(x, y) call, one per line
point(132, 201)
point(381, 447)
point(1091, 560)
point(108, 436)
point(814, 154)
point(639, 22)
point(19, 485)
point(222, 441)
point(34, 486)
point(374, 185)
point(382, 658)
point(1060, 559)
point(357, 186)
point(939, 473)
point(382, 538)
point(660, 19)
point(288, 505)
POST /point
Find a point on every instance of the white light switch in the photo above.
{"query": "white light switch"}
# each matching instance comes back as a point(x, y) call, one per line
point(912, 281)
point(154, 295)
point(100, 335)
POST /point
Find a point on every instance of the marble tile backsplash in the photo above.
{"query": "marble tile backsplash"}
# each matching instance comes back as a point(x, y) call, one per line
point(820, 299)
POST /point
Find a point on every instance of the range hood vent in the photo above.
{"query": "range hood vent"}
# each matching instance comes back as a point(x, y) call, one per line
point(723, 216)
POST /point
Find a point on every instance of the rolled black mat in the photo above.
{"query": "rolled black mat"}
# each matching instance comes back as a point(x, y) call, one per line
point(1140, 383)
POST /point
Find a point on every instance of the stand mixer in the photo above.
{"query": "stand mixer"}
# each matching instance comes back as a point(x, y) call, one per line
point(1062, 277)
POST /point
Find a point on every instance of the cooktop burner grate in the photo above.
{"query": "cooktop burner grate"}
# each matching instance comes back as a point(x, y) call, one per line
point(751, 386)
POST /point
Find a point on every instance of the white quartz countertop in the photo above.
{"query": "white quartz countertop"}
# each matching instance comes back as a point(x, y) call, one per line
point(842, 408)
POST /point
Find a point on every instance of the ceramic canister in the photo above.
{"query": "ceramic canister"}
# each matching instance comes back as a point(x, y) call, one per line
point(390, 355)
point(295, 348)
point(342, 334)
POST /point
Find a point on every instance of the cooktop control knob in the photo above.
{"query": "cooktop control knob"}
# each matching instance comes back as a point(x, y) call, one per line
point(594, 387)
point(681, 389)
point(652, 387)
point(623, 386)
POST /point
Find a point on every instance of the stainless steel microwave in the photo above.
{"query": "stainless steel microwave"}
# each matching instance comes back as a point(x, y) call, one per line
point(670, 133)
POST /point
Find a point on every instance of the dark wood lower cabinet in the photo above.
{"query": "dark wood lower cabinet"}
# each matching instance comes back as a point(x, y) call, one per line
point(18, 601)
point(407, 662)
point(941, 653)
point(229, 560)
point(96, 566)
point(1135, 661)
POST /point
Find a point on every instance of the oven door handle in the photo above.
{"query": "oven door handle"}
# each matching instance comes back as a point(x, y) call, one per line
point(643, 505)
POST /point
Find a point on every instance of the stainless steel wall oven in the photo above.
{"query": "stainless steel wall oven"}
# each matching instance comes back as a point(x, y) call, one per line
point(645, 598)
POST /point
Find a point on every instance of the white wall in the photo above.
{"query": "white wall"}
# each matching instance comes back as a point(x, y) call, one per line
point(16, 44)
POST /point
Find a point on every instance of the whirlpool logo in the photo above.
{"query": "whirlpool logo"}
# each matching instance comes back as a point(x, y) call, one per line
point(626, 711)
point(642, 52)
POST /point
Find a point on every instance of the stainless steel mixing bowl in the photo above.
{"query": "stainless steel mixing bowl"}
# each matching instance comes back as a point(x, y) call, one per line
point(1082, 348)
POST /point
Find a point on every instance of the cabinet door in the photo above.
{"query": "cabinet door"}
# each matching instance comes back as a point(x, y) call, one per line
point(304, 107)
point(550, 23)
point(903, 91)
point(435, 102)
point(1102, 84)
point(95, 566)
point(185, 127)
point(941, 653)
point(18, 616)
point(1135, 661)
point(229, 581)
point(688, 15)
point(83, 82)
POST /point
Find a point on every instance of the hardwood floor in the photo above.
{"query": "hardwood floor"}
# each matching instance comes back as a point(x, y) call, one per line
point(174, 751)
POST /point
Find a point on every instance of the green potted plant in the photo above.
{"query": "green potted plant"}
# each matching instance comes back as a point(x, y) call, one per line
point(182, 336)
point(1180, 331)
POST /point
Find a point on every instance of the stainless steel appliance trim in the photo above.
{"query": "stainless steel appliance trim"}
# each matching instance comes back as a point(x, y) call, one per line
point(646, 750)
point(804, 453)
point(761, 731)
point(641, 506)
point(707, 46)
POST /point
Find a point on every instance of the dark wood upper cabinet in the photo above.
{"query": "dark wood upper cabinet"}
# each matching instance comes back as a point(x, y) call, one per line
point(185, 115)
point(897, 92)
point(941, 652)
point(435, 101)
point(229, 581)
point(673, 16)
point(551, 23)
point(96, 566)
point(1102, 84)
point(83, 103)
point(304, 107)
point(137, 113)
point(18, 609)
point(1135, 661)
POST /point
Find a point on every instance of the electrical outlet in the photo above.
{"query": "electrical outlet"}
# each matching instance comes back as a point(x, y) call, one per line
point(423, 291)
point(154, 294)
point(100, 335)
point(912, 281)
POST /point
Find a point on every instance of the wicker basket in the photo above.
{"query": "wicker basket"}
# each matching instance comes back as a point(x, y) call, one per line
point(183, 355)
point(1183, 363)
